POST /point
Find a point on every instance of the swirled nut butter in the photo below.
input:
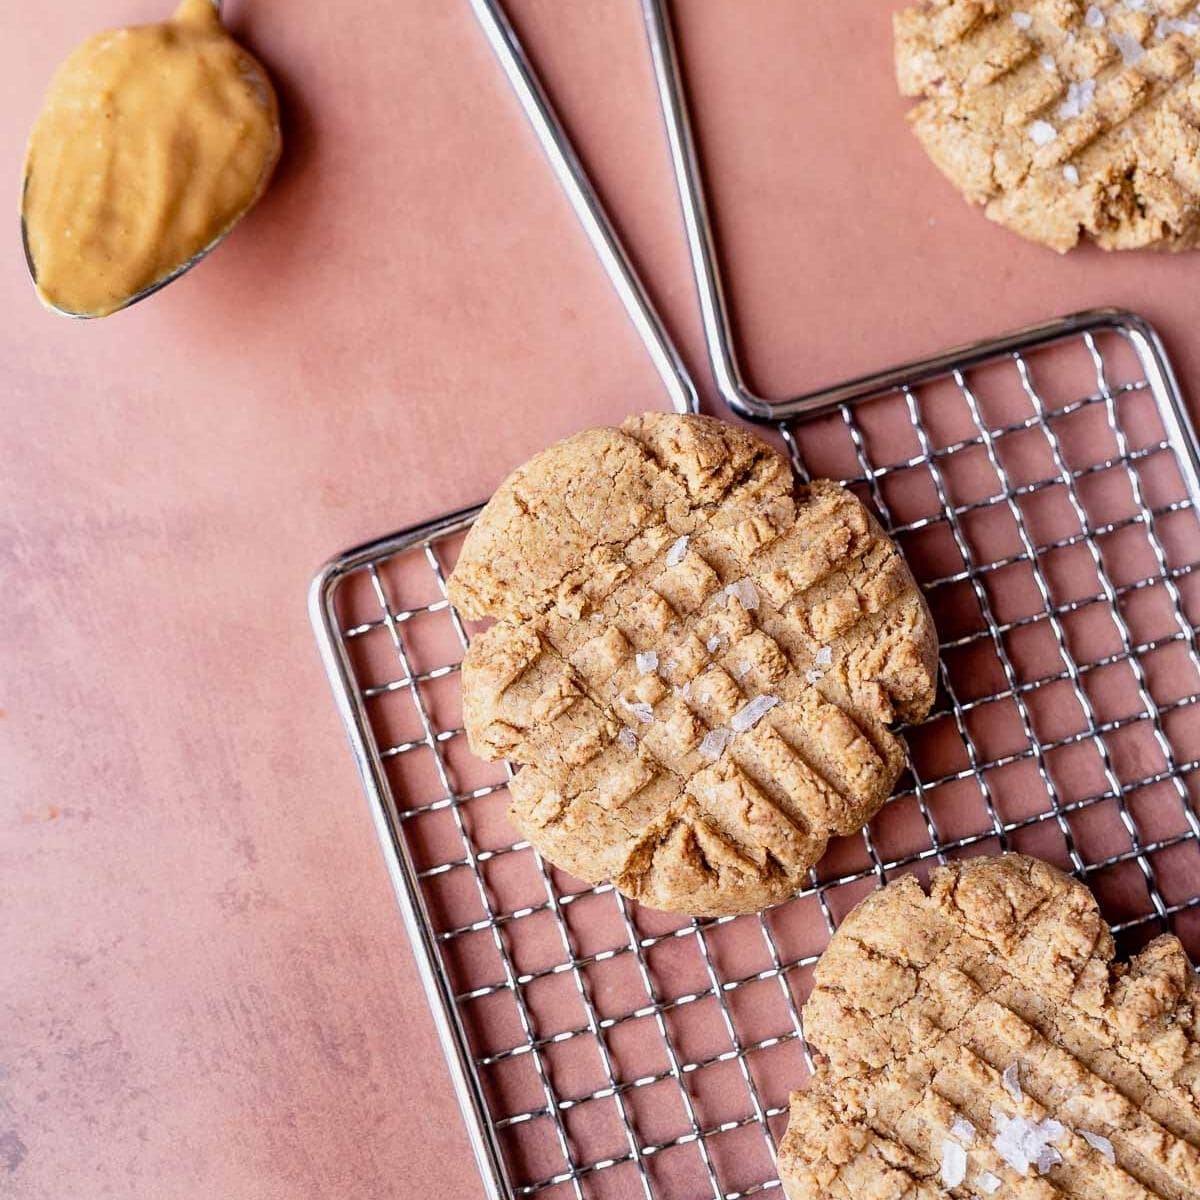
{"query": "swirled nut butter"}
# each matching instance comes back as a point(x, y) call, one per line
point(152, 143)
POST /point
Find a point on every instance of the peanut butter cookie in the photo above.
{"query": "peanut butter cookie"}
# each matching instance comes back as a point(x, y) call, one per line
point(1065, 119)
point(981, 1041)
point(697, 664)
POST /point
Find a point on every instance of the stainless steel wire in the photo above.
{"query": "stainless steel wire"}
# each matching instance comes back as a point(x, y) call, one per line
point(589, 209)
point(649, 995)
point(472, 929)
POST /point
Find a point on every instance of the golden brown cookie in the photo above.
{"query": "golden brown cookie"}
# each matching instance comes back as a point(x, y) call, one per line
point(980, 1041)
point(1064, 118)
point(697, 664)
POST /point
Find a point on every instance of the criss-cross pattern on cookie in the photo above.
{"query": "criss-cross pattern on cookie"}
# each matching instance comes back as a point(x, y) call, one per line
point(697, 665)
point(1063, 117)
point(979, 1040)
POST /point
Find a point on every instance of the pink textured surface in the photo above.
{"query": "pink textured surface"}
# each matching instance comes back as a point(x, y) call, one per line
point(205, 987)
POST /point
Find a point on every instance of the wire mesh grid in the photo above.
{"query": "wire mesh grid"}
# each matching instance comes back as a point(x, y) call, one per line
point(601, 1049)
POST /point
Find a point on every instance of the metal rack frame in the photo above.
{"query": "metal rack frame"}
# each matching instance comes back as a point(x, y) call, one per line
point(397, 813)
point(393, 814)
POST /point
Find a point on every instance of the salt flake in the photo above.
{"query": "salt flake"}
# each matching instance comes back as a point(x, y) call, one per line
point(1022, 20)
point(954, 1163)
point(685, 692)
point(1042, 133)
point(1071, 174)
point(1190, 26)
point(962, 1129)
point(988, 1183)
point(646, 662)
point(713, 643)
point(1051, 1130)
point(1093, 18)
point(1080, 95)
point(1047, 1157)
point(742, 669)
point(814, 676)
point(746, 593)
point(677, 551)
point(627, 738)
point(1099, 1142)
point(713, 744)
point(1130, 48)
point(751, 713)
point(824, 656)
point(641, 710)
point(1048, 63)
point(1010, 1144)
point(1023, 1143)
point(1012, 1082)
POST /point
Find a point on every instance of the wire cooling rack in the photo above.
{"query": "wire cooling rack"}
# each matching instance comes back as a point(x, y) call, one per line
point(1045, 498)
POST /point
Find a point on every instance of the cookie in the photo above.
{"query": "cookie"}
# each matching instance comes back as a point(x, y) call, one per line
point(979, 1041)
point(1064, 119)
point(697, 663)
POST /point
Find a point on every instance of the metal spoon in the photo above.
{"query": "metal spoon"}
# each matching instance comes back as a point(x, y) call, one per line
point(151, 288)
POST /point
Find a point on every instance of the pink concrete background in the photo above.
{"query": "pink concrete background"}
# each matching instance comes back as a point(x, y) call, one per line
point(205, 989)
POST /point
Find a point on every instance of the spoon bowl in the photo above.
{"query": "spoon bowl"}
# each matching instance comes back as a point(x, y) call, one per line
point(129, 301)
point(152, 144)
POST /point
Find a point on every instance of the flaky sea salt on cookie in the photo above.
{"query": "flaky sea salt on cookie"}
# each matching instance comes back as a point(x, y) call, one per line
point(1064, 119)
point(979, 1040)
point(696, 663)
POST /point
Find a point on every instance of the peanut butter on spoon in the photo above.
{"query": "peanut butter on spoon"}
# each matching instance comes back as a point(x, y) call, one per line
point(151, 144)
